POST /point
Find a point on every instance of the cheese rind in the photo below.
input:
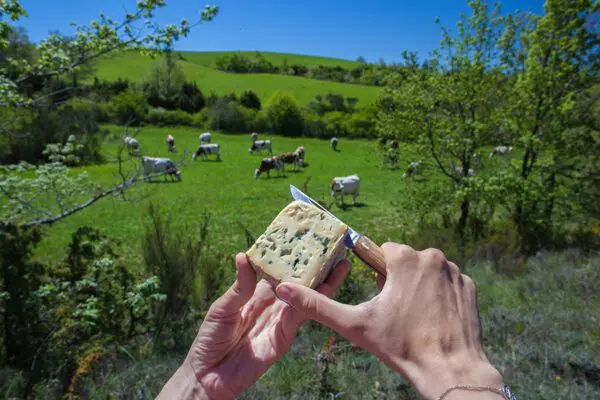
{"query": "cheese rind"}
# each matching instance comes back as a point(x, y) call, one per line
point(301, 245)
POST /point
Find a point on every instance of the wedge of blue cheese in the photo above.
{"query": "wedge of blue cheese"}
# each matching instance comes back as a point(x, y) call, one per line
point(302, 245)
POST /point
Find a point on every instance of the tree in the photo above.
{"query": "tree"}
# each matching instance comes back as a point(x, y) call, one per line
point(451, 109)
point(284, 115)
point(249, 99)
point(552, 115)
point(163, 88)
point(54, 58)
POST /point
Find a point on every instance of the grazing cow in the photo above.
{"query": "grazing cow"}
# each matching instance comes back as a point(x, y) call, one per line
point(155, 165)
point(501, 150)
point(292, 158)
point(414, 168)
point(459, 171)
point(341, 186)
point(204, 138)
point(132, 145)
point(171, 143)
point(205, 149)
point(334, 142)
point(269, 163)
point(259, 145)
point(300, 151)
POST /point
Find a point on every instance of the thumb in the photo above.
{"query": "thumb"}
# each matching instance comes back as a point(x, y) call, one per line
point(342, 318)
point(239, 293)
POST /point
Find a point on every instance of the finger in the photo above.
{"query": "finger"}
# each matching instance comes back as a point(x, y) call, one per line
point(345, 319)
point(335, 279)
point(380, 281)
point(240, 292)
point(398, 256)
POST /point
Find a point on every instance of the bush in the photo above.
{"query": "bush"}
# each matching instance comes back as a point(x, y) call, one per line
point(162, 117)
point(229, 116)
point(284, 115)
point(129, 108)
point(249, 99)
point(175, 260)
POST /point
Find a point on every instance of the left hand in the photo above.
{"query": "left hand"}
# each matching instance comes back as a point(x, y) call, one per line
point(244, 332)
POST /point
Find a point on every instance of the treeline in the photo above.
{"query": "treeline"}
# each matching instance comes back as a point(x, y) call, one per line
point(363, 74)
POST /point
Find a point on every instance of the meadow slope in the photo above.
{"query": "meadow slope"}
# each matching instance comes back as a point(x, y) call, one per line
point(135, 67)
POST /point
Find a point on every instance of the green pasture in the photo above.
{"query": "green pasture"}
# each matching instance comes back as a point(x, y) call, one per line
point(228, 191)
point(136, 67)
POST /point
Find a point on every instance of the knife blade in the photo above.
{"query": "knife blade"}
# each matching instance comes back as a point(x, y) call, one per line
point(362, 246)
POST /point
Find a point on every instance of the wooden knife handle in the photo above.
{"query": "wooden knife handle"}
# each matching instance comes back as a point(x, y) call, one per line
point(370, 254)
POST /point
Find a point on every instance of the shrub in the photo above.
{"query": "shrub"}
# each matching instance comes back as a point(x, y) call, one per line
point(249, 99)
point(229, 116)
point(174, 259)
point(284, 115)
point(129, 108)
point(162, 117)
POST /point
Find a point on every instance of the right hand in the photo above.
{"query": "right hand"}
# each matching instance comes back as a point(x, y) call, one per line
point(424, 323)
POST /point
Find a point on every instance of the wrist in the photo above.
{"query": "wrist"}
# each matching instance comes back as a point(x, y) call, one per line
point(433, 380)
point(183, 385)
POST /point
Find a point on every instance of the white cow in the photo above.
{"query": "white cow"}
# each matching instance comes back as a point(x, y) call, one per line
point(204, 138)
point(171, 143)
point(155, 165)
point(341, 186)
point(132, 144)
point(269, 163)
point(205, 149)
point(259, 145)
point(414, 168)
point(501, 150)
point(334, 142)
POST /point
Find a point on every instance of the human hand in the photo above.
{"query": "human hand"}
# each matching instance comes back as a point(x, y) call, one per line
point(424, 323)
point(244, 332)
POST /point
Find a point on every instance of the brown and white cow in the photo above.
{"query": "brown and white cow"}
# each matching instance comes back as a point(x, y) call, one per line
point(292, 158)
point(269, 163)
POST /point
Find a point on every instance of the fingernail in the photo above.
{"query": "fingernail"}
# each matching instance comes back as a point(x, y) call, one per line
point(284, 293)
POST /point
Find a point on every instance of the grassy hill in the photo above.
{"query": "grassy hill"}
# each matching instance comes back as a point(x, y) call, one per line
point(199, 67)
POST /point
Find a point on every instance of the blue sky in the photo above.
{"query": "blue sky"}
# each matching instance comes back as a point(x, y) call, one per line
point(336, 28)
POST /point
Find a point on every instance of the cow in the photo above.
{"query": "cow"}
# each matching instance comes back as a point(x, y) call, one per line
point(155, 165)
point(300, 151)
point(292, 158)
point(269, 163)
point(204, 138)
point(259, 145)
point(205, 149)
point(170, 143)
point(132, 145)
point(459, 171)
point(341, 186)
point(501, 150)
point(334, 142)
point(414, 168)
point(254, 136)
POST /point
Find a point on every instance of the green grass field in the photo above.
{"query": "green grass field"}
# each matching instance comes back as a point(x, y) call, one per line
point(229, 192)
point(198, 68)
